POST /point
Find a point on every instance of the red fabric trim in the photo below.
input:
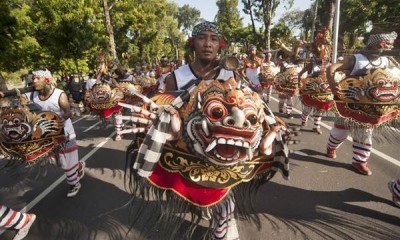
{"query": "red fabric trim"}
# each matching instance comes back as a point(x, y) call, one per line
point(10, 219)
point(359, 154)
point(363, 117)
point(69, 169)
point(196, 194)
point(339, 126)
point(289, 91)
point(366, 144)
point(308, 101)
point(69, 150)
point(44, 150)
point(109, 112)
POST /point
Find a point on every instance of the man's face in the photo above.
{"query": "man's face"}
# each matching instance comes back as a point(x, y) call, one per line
point(253, 52)
point(387, 44)
point(38, 82)
point(164, 63)
point(206, 46)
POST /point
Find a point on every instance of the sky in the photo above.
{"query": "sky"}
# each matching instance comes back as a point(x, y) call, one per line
point(209, 9)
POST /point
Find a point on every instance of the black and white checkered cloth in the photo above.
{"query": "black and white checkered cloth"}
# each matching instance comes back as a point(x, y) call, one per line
point(150, 150)
point(377, 38)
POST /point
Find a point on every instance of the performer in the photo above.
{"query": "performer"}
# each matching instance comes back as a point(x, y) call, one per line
point(120, 76)
point(55, 100)
point(204, 142)
point(14, 220)
point(252, 66)
point(315, 94)
point(162, 71)
point(362, 133)
point(394, 187)
point(267, 76)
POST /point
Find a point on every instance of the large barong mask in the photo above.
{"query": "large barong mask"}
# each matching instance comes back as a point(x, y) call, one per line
point(227, 125)
point(28, 135)
point(316, 93)
point(102, 96)
point(203, 147)
point(370, 99)
point(287, 82)
point(224, 131)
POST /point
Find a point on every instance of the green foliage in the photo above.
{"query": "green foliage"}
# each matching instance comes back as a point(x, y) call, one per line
point(187, 17)
point(228, 19)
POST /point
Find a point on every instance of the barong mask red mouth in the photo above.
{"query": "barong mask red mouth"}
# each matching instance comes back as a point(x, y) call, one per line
point(383, 89)
point(101, 95)
point(227, 127)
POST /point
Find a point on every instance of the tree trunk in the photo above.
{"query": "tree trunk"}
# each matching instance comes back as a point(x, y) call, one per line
point(110, 30)
point(331, 16)
point(312, 35)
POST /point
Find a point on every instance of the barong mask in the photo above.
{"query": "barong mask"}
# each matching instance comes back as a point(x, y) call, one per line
point(371, 99)
point(28, 135)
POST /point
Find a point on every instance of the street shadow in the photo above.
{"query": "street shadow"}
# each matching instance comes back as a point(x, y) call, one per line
point(330, 215)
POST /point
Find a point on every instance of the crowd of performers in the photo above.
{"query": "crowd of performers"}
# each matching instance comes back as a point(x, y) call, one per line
point(204, 135)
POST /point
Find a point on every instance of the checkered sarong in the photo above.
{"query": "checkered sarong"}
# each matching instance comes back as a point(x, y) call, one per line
point(150, 150)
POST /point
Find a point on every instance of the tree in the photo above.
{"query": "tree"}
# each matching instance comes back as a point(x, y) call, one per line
point(228, 19)
point(187, 17)
point(18, 46)
point(263, 11)
point(293, 19)
point(110, 29)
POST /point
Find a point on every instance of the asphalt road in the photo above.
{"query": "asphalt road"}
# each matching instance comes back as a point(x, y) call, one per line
point(324, 198)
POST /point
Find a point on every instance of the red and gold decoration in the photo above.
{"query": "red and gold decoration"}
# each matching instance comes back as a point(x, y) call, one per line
point(267, 76)
point(315, 91)
point(103, 100)
point(287, 82)
point(372, 99)
point(225, 140)
point(27, 135)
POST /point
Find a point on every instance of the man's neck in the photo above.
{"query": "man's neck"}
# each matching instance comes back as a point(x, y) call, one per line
point(204, 68)
point(45, 93)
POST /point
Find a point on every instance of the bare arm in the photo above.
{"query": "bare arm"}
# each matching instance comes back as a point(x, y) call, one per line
point(64, 105)
point(344, 66)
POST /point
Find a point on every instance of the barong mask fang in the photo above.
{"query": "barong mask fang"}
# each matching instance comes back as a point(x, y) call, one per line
point(227, 122)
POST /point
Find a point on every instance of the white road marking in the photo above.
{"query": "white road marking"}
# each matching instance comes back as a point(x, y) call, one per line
point(81, 118)
point(374, 151)
point(35, 201)
point(89, 128)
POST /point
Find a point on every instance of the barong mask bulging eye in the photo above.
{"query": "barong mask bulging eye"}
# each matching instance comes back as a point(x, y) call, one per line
point(227, 125)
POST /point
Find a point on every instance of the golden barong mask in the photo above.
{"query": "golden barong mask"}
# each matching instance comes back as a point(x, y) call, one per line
point(378, 86)
point(101, 96)
point(27, 135)
point(289, 78)
point(129, 89)
point(225, 122)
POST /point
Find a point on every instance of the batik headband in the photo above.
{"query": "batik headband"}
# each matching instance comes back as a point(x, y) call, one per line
point(375, 39)
point(205, 26)
point(42, 73)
